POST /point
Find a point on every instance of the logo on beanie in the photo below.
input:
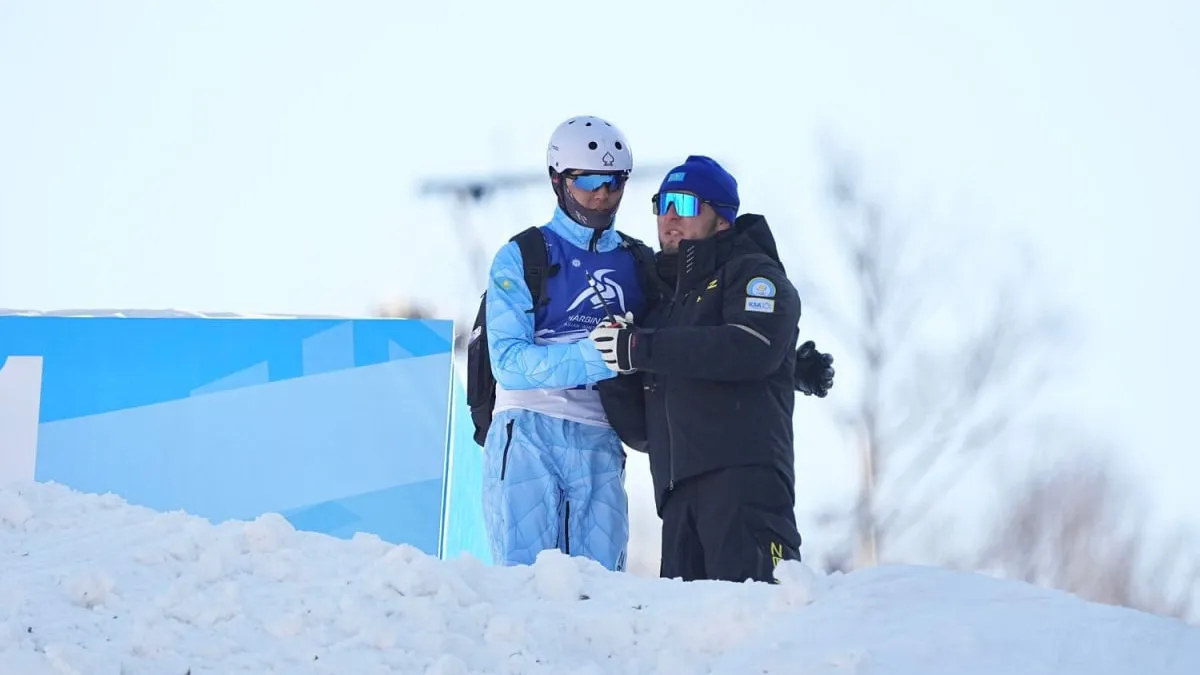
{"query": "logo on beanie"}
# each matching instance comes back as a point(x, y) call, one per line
point(676, 177)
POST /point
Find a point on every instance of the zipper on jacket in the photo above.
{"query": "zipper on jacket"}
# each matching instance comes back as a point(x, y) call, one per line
point(567, 529)
point(507, 445)
point(666, 399)
point(595, 240)
point(670, 438)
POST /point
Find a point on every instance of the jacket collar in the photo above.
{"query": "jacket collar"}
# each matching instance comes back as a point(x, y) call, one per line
point(584, 237)
point(699, 258)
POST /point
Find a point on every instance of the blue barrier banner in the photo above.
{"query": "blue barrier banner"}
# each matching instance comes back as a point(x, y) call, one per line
point(464, 530)
point(340, 425)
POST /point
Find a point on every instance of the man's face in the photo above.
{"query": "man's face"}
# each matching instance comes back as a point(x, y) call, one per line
point(673, 228)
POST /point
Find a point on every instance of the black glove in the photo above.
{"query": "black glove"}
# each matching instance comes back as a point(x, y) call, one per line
point(814, 371)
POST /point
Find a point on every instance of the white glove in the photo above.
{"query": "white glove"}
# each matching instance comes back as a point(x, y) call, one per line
point(612, 340)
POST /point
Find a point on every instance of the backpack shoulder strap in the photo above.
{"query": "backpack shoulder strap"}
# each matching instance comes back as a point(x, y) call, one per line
point(532, 243)
point(641, 252)
point(643, 258)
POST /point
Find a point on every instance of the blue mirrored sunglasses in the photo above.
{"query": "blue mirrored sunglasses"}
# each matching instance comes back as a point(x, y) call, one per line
point(686, 205)
point(594, 181)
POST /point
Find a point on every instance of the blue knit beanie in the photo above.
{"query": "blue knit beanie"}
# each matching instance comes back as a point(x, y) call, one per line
point(705, 178)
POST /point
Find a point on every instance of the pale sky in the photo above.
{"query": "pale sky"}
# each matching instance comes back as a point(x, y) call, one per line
point(263, 156)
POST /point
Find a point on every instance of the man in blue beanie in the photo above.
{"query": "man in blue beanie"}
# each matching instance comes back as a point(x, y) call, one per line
point(702, 185)
point(708, 382)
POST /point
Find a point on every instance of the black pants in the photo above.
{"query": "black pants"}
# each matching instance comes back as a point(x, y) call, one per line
point(734, 524)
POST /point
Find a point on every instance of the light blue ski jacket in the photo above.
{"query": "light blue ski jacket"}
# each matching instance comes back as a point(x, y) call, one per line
point(518, 360)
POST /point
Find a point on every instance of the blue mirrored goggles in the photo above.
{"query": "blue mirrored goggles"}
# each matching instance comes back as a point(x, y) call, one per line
point(686, 205)
point(594, 181)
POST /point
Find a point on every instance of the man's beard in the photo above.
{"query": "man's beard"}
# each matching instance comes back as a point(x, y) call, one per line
point(709, 230)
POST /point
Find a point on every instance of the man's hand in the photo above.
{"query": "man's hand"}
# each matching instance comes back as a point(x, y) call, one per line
point(814, 371)
point(612, 340)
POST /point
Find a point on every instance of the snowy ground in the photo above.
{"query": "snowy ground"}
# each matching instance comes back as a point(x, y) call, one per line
point(91, 585)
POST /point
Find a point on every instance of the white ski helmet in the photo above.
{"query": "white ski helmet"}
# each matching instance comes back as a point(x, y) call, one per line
point(588, 143)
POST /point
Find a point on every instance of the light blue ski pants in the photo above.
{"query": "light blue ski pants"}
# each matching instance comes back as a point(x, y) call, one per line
point(553, 483)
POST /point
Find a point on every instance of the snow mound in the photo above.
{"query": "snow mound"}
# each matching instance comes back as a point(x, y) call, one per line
point(92, 585)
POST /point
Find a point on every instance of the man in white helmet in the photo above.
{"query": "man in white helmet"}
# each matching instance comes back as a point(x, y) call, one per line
point(554, 470)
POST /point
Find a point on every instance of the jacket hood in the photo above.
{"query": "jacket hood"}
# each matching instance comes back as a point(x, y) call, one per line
point(753, 231)
point(749, 235)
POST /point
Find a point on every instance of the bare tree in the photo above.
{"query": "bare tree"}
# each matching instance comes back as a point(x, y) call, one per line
point(948, 357)
point(1080, 526)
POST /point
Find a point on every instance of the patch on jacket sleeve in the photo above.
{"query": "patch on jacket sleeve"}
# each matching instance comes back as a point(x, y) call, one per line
point(764, 305)
point(760, 287)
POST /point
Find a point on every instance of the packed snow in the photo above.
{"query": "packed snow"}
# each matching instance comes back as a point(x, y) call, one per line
point(92, 585)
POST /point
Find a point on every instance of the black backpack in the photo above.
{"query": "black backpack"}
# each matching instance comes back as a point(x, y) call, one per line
point(481, 383)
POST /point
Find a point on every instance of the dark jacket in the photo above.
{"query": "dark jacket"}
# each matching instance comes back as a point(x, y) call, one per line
point(715, 357)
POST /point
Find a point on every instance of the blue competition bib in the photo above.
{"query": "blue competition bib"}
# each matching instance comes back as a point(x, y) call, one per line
point(574, 307)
